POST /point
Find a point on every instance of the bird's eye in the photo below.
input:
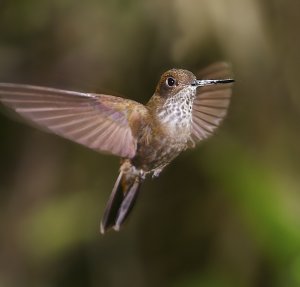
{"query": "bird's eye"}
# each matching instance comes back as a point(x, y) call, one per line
point(170, 82)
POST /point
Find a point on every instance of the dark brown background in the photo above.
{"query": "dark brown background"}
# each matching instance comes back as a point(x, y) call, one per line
point(225, 214)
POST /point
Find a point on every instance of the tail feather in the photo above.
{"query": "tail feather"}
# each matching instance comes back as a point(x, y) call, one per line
point(120, 203)
point(128, 203)
point(112, 206)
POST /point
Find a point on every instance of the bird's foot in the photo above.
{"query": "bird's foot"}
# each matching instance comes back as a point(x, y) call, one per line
point(142, 174)
point(156, 172)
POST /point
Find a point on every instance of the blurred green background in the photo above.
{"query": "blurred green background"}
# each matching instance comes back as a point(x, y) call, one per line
point(225, 214)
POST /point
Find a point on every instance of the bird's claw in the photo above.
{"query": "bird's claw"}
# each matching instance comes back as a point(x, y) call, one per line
point(142, 174)
point(156, 173)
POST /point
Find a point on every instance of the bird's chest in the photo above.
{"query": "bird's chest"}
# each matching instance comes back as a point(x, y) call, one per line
point(175, 117)
point(165, 140)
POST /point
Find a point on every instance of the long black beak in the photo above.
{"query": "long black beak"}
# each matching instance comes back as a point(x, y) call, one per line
point(202, 83)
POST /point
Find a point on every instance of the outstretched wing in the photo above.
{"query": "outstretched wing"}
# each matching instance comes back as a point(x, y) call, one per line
point(97, 121)
point(211, 102)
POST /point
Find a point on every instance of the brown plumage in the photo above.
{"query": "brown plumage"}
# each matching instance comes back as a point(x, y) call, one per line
point(182, 112)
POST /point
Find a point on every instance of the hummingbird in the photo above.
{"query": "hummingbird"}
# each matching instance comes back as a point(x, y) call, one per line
point(182, 112)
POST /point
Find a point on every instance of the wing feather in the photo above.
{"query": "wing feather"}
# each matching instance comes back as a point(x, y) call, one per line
point(211, 102)
point(100, 122)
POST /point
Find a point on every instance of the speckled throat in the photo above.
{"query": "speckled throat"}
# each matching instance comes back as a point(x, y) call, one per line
point(176, 112)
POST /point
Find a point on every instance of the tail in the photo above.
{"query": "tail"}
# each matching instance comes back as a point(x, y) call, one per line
point(121, 202)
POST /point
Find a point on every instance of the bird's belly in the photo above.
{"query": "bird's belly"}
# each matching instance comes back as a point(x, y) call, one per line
point(158, 153)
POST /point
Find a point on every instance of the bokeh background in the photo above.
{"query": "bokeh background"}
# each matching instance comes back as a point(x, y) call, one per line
point(225, 214)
